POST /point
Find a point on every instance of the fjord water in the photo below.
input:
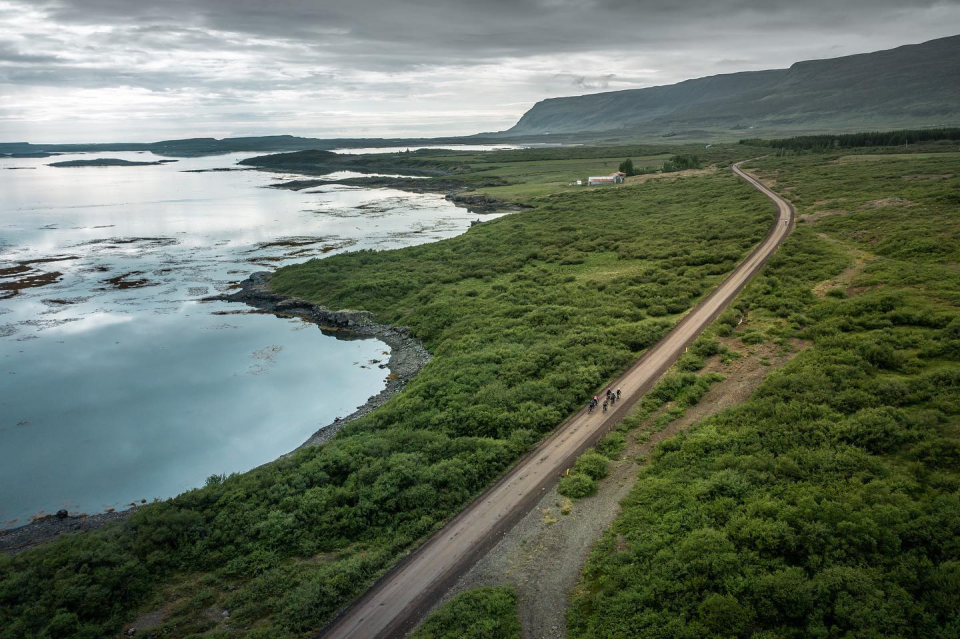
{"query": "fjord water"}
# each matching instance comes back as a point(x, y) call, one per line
point(117, 383)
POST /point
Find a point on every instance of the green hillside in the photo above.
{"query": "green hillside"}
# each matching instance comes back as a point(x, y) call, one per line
point(914, 85)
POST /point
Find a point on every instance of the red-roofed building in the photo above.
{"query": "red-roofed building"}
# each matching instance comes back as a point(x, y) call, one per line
point(613, 178)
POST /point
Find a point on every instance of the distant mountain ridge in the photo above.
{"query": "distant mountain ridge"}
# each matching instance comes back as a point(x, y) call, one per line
point(912, 85)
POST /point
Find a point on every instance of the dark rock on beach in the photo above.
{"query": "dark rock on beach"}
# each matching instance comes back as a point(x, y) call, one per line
point(480, 203)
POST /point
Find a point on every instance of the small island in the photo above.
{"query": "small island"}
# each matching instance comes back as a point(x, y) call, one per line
point(106, 162)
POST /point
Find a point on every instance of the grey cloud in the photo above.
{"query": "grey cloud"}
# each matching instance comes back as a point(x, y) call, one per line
point(373, 30)
point(12, 55)
point(238, 58)
point(588, 82)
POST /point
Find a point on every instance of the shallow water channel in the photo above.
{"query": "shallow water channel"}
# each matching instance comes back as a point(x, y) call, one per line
point(117, 384)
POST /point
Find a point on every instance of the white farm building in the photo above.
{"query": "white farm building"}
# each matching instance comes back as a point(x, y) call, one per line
point(613, 178)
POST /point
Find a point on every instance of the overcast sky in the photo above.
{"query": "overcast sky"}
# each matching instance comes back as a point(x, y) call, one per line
point(140, 70)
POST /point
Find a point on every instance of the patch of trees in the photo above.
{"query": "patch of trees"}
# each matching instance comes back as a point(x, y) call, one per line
point(850, 140)
point(681, 163)
point(540, 154)
point(676, 163)
point(629, 168)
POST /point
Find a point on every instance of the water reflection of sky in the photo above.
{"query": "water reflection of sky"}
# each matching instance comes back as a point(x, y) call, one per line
point(117, 384)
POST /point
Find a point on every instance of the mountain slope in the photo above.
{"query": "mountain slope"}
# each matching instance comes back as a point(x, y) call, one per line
point(913, 85)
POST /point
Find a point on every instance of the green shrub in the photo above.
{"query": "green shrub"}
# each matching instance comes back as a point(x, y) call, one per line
point(612, 444)
point(691, 362)
point(592, 464)
point(577, 486)
point(482, 613)
point(705, 347)
point(723, 615)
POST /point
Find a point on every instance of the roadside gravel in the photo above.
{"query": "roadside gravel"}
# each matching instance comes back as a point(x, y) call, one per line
point(543, 555)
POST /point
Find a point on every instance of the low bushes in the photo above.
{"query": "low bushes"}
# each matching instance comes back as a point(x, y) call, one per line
point(577, 486)
point(592, 464)
point(612, 444)
point(482, 613)
point(590, 467)
point(828, 504)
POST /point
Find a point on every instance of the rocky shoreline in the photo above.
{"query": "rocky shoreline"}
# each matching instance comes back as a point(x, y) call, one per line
point(41, 530)
point(407, 357)
point(453, 190)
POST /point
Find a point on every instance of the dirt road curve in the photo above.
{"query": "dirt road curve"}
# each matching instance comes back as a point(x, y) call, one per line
point(393, 605)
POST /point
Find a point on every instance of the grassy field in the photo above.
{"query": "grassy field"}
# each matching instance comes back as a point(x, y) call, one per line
point(527, 315)
point(828, 504)
point(537, 178)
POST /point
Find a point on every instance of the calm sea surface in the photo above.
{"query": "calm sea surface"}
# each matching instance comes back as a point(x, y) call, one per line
point(117, 384)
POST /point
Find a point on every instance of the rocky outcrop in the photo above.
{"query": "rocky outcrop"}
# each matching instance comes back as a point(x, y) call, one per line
point(477, 203)
point(43, 529)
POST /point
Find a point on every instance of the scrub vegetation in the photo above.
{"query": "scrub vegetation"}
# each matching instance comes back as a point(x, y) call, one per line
point(581, 481)
point(527, 316)
point(680, 386)
point(828, 504)
point(483, 613)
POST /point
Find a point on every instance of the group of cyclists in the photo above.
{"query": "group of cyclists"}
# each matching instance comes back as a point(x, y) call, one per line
point(611, 398)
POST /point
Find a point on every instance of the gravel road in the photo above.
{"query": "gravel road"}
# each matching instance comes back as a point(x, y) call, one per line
point(396, 602)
